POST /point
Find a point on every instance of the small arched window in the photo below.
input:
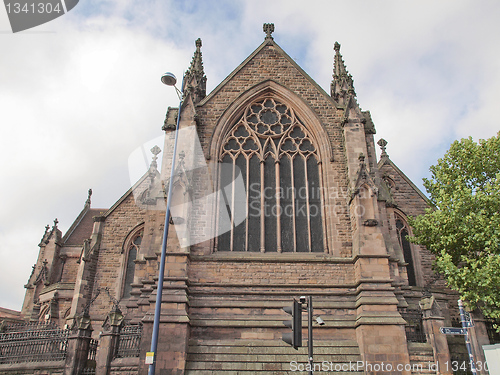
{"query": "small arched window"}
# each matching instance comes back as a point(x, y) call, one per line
point(279, 164)
point(133, 249)
point(403, 232)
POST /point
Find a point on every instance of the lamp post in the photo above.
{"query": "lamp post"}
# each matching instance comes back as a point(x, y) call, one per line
point(310, 333)
point(169, 80)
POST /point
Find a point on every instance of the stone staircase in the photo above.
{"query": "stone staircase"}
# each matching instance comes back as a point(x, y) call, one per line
point(421, 358)
point(269, 357)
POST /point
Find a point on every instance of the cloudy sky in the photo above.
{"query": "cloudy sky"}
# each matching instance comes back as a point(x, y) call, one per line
point(80, 93)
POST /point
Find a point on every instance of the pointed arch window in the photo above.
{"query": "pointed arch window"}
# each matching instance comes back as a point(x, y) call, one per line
point(279, 164)
point(132, 251)
point(403, 232)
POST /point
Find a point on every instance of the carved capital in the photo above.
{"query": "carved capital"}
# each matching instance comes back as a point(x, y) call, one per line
point(82, 323)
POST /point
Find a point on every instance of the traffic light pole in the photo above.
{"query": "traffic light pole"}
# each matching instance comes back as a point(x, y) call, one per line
point(294, 338)
point(310, 332)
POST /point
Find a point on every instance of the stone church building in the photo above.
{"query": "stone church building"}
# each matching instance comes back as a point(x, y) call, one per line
point(277, 194)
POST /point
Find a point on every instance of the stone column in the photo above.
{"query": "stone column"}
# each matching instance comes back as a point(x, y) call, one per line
point(78, 346)
point(174, 330)
point(433, 321)
point(108, 341)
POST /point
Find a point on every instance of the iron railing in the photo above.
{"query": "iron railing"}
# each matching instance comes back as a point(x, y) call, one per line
point(414, 325)
point(91, 363)
point(129, 341)
point(33, 342)
point(92, 350)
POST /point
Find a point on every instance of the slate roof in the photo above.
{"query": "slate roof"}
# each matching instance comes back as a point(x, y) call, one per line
point(82, 227)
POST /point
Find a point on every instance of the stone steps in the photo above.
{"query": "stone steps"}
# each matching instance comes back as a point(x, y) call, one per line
point(245, 357)
point(421, 358)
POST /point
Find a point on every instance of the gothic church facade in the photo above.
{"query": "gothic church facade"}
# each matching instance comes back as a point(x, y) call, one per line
point(320, 217)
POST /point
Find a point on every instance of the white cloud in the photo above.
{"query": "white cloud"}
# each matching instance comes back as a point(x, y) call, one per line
point(80, 93)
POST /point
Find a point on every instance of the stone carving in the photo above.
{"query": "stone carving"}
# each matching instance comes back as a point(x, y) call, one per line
point(268, 29)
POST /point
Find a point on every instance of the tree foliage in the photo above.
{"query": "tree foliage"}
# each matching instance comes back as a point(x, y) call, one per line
point(462, 228)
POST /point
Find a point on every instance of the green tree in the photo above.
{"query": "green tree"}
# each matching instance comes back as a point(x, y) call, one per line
point(462, 228)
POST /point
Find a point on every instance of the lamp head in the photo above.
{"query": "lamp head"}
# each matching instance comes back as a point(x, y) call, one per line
point(169, 79)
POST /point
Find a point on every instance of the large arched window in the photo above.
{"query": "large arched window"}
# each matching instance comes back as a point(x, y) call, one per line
point(403, 232)
point(279, 164)
point(131, 255)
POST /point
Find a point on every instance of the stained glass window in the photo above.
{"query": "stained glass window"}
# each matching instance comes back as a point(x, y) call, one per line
point(130, 267)
point(403, 232)
point(279, 164)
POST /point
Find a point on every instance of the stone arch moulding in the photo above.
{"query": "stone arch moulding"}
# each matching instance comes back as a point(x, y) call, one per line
point(303, 110)
point(309, 120)
point(132, 234)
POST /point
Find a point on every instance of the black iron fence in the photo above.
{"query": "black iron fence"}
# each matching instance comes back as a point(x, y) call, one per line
point(129, 341)
point(92, 350)
point(91, 363)
point(414, 325)
point(38, 342)
point(33, 342)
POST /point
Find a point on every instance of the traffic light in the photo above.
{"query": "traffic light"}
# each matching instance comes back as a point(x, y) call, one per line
point(293, 338)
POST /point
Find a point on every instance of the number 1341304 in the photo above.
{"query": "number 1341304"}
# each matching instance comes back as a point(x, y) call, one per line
point(33, 7)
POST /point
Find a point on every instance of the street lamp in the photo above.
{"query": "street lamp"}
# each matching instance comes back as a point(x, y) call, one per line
point(169, 80)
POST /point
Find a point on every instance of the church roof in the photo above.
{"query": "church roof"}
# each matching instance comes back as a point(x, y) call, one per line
point(81, 229)
point(385, 160)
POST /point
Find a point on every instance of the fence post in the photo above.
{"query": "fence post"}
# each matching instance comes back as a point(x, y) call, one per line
point(433, 320)
point(108, 341)
point(78, 346)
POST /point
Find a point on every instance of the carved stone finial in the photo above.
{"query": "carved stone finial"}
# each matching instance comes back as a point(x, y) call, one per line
point(268, 29)
point(45, 235)
point(56, 222)
point(155, 151)
point(87, 203)
point(382, 143)
point(361, 158)
point(182, 155)
point(342, 84)
point(195, 79)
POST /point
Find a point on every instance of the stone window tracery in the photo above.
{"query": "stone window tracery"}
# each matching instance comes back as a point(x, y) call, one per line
point(279, 164)
point(133, 249)
point(403, 232)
